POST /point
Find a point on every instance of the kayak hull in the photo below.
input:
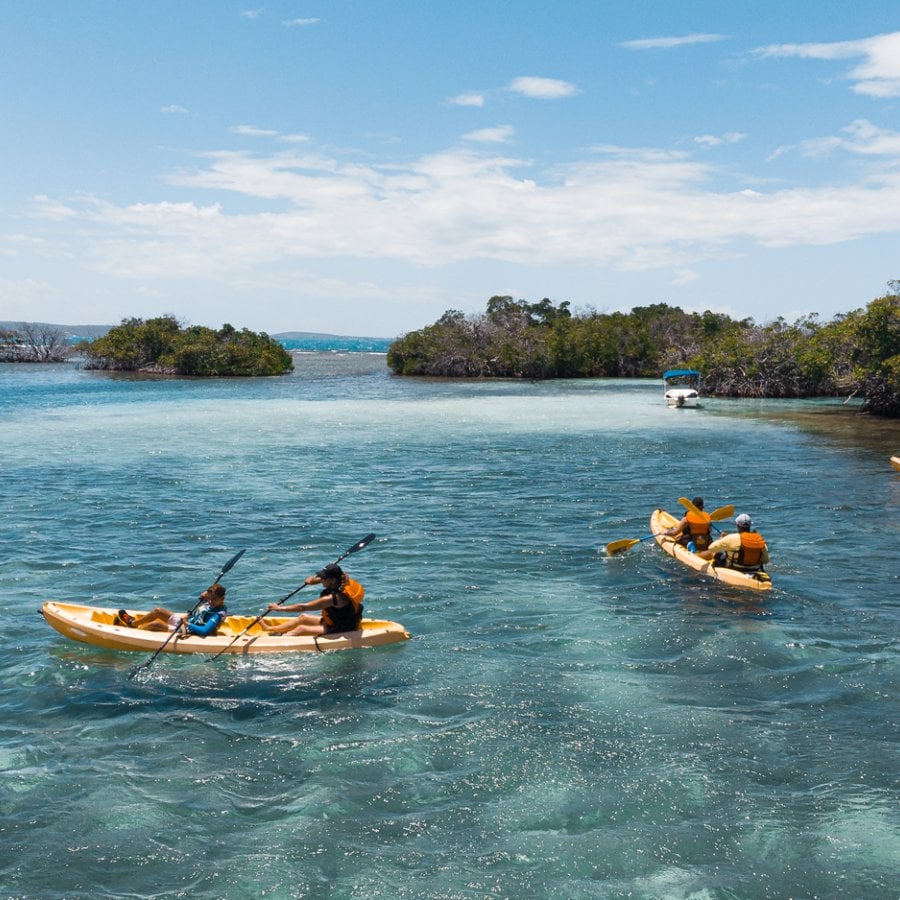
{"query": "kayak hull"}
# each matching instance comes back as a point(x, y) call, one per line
point(895, 462)
point(95, 625)
point(660, 521)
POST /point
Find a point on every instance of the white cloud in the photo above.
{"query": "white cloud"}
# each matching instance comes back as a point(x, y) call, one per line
point(173, 108)
point(497, 135)
point(542, 88)
point(667, 43)
point(468, 99)
point(878, 75)
point(253, 131)
point(644, 154)
point(711, 140)
point(299, 23)
point(637, 211)
point(45, 208)
point(860, 137)
point(869, 140)
point(251, 13)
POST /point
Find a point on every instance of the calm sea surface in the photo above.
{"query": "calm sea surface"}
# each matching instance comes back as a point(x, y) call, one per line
point(562, 724)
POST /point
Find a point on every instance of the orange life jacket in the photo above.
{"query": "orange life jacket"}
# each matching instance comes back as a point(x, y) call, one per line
point(345, 618)
point(699, 524)
point(749, 556)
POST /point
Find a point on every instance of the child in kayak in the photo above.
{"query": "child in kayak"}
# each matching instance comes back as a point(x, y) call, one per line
point(203, 622)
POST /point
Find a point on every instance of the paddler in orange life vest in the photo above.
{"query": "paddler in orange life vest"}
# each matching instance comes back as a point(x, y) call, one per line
point(340, 605)
point(746, 550)
point(693, 531)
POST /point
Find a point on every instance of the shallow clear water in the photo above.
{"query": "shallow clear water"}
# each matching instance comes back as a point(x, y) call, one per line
point(562, 724)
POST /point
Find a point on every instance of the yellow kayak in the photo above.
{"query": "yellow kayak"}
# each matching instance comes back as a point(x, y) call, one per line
point(95, 625)
point(661, 521)
point(895, 462)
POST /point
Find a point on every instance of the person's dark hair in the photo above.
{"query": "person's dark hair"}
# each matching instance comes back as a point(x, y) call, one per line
point(698, 502)
point(216, 591)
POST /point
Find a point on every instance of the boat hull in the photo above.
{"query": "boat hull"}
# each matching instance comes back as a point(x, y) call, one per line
point(95, 625)
point(895, 462)
point(681, 399)
point(660, 521)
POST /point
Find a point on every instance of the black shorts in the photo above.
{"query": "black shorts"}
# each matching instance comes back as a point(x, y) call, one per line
point(340, 629)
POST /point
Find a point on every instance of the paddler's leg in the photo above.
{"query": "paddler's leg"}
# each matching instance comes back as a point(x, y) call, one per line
point(306, 629)
point(155, 620)
point(290, 625)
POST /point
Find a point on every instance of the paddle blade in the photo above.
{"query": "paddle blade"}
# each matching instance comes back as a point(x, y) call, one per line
point(723, 512)
point(621, 546)
point(689, 506)
point(360, 544)
point(231, 562)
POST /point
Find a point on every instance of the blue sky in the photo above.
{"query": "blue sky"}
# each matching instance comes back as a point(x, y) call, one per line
point(362, 167)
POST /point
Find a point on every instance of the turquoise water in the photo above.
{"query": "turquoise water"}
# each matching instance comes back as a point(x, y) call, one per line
point(562, 724)
point(334, 343)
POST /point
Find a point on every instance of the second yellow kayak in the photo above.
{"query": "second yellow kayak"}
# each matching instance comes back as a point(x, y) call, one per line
point(661, 521)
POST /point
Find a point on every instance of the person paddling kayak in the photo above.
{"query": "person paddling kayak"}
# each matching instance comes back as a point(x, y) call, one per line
point(340, 605)
point(694, 529)
point(204, 621)
point(745, 550)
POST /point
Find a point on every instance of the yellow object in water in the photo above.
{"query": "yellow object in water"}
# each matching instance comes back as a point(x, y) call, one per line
point(95, 625)
point(660, 521)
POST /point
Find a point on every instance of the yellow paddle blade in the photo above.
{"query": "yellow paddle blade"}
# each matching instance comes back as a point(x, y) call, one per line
point(689, 506)
point(723, 512)
point(621, 546)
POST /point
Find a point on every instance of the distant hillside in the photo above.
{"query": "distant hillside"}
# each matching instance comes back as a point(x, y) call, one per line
point(321, 336)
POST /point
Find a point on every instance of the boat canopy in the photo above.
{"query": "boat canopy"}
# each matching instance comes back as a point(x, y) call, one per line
point(680, 373)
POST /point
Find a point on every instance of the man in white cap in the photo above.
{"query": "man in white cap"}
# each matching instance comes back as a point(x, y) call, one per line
point(746, 550)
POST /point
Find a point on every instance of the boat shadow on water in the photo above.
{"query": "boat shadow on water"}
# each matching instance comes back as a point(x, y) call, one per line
point(94, 683)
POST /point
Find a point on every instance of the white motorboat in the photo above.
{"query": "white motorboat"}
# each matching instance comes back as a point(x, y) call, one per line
point(682, 387)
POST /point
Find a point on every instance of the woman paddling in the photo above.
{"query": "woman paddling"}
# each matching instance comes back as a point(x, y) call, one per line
point(340, 606)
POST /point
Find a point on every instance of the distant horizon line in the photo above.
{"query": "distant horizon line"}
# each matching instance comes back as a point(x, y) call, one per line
point(77, 330)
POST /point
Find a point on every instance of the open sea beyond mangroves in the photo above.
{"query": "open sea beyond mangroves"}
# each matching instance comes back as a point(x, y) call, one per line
point(562, 724)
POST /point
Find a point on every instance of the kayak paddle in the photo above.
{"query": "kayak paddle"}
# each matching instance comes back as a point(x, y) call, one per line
point(723, 512)
point(620, 546)
point(624, 544)
point(149, 662)
point(357, 546)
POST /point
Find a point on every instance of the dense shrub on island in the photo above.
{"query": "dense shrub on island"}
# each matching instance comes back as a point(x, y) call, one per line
point(162, 346)
point(856, 354)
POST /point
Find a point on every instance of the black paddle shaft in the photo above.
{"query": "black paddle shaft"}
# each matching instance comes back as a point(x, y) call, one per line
point(146, 665)
point(359, 545)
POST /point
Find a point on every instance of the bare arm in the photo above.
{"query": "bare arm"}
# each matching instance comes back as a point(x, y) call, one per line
point(318, 603)
point(299, 607)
